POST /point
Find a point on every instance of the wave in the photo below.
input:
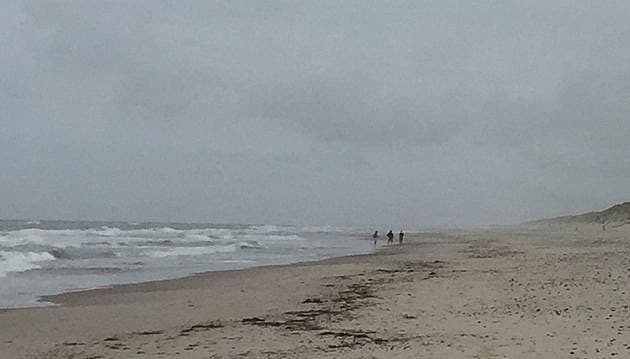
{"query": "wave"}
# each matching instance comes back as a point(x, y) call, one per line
point(323, 229)
point(250, 245)
point(58, 257)
point(70, 237)
point(23, 236)
point(190, 251)
point(116, 237)
point(21, 261)
point(82, 253)
point(112, 242)
point(267, 229)
point(272, 237)
point(83, 270)
point(98, 243)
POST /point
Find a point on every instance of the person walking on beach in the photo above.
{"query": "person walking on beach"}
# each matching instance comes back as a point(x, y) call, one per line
point(390, 237)
point(375, 236)
point(401, 235)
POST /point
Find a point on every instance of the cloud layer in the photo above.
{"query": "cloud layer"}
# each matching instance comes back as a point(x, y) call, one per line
point(410, 114)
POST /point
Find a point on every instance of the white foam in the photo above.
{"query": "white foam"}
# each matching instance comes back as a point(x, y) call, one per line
point(58, 238)
point(21, 261)
point(249, 244)
point(191, 251)
point(24, 236)
point(267, 228)
point(62, 238)
point(193, 237)
point(322, 229)
point(271, 238)
point(116, 238)
point(143, 253)
point(103, 232)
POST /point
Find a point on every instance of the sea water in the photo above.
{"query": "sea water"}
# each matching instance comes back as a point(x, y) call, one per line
point(49, 257)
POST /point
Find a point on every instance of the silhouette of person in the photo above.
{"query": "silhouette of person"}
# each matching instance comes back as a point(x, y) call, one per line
point(390, 237)
point(401, 235)
point(375, 236)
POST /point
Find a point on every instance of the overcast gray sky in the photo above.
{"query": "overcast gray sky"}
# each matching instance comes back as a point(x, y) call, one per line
point(409, 113)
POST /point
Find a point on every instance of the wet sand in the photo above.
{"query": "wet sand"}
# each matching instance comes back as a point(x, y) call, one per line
point(504, 293)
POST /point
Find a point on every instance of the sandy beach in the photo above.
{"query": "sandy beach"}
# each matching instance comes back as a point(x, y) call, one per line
point(558, 292)
point(205, 179)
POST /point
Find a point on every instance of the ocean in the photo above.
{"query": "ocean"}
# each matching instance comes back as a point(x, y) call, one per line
point(49, 257)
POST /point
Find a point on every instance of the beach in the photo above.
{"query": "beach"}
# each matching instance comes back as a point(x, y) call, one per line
point(552, 292)
point(40, 258)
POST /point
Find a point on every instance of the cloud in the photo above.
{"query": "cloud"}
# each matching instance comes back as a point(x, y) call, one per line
point(353, 108)
point(354, 112)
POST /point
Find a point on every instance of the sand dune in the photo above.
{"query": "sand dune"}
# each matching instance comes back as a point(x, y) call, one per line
point(618, 214)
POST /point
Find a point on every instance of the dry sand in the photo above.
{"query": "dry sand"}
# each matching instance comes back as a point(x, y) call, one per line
point(503, 293)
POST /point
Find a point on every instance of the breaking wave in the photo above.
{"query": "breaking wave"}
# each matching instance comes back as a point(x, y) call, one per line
point(54, 256)
point(21, 261)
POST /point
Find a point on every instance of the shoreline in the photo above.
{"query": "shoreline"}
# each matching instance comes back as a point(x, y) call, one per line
point(70, 298)
point(82, 316)
point(511, 293)
point(55, 299)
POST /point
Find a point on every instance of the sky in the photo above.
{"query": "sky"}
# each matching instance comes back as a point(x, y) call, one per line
point(401, 113)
